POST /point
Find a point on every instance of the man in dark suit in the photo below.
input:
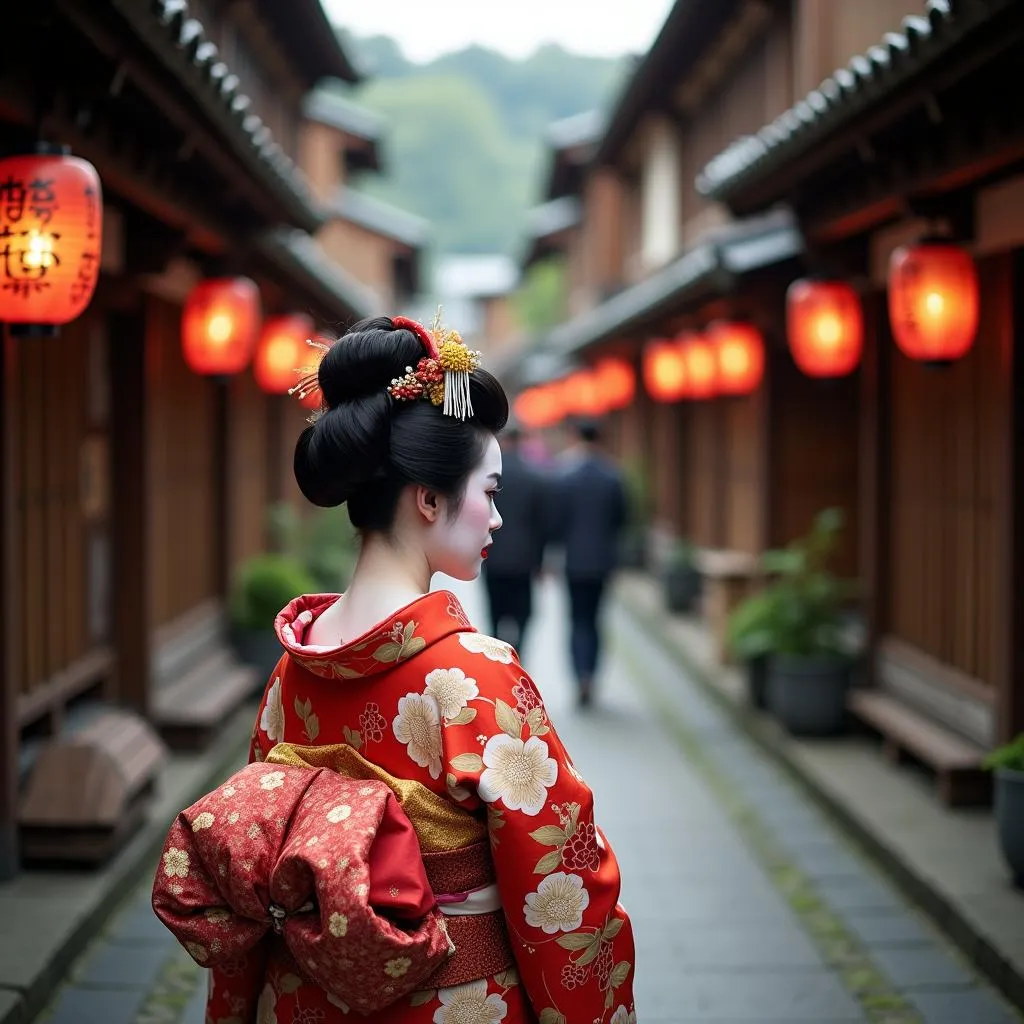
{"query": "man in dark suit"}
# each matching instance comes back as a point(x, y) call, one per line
point(517, 549)
point(592, 512)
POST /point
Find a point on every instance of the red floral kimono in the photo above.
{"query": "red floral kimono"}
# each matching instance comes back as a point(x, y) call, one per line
point(427, 698)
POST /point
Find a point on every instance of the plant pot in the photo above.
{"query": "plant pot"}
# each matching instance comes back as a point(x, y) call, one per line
point(259, 648)
point(757, 681)
point(633, 551)
point(682, 588)
point(1009, 815)
point(808, 694)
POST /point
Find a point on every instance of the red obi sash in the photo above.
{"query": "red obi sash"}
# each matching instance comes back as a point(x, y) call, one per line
point(333, 866)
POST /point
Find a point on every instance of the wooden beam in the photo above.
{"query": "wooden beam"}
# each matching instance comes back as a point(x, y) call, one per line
point(129, 451)
point(856, 202)
point(875, 438)
point(10, 608)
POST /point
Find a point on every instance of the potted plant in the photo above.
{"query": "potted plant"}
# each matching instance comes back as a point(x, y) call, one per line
point(262, 587)
point(810, 660)
point(681, 579)
point(1007, 766)
point(749, 637)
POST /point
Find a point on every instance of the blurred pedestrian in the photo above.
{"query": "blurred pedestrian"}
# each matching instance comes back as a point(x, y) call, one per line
point(517, 549)
point(591, 504)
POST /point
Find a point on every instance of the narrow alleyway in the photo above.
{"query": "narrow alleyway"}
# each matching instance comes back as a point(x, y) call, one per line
point(747, 905)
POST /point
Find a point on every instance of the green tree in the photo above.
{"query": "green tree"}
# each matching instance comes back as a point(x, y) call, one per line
point(449, 160)
point(465, 135)
point(541, 299)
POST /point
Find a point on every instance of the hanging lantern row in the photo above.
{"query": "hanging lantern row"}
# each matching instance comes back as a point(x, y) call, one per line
point(933, 312)
point(51, 225)
point(727, 359)
point(591, 392)
point(222, 332)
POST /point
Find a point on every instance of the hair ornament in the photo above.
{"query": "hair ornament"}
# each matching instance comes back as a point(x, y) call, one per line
point(309, 382)
point(442, 377)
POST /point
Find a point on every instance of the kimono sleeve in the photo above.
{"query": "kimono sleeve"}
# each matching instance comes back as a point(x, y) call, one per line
point(557, 875)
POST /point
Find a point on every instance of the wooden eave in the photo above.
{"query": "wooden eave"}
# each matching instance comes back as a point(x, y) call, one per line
point(896, 122)
point(689, 31)
point(304, 32)
point(166, 56)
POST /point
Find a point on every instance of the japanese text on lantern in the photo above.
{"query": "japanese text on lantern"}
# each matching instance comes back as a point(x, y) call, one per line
point(50, 238)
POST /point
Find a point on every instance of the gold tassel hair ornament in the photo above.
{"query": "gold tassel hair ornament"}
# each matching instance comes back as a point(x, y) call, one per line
point(442, 377)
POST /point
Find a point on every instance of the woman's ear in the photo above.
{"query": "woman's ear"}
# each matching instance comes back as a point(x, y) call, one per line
point(428, 504)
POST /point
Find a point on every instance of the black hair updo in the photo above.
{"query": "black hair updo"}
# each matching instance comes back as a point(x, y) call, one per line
point(366, 447)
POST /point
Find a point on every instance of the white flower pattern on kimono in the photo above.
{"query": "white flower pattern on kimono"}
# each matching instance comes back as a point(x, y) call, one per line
point(518, 773)
point(451, 688)
point(558, 904)
point(176, 863)
point(470, 1004)
point(623, 1016)
point(490, 647)
point(418, 726)
point(272, 719)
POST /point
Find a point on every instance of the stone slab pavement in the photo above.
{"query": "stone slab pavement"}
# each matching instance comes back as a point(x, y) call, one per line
point(747, 905)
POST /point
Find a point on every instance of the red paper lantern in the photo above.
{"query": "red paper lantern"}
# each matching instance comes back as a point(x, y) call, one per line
point(933, 301)
point(664, 371)
point(618, 381)
point(825, 327)
point(538, 407)
point(584, 395)
point(281, 352)
point(701, 364)
point(51, 227)
point(220, 325)
point(739, 351)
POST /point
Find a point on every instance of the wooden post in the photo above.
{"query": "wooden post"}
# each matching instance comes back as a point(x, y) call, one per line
point(130, 486)
point(768, 407)
point(873, 463)
point(1010, 706)
point(222, 483)
point(10, 605)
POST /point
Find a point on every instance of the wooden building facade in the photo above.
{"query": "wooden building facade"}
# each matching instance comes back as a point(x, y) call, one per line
point(741, 162)
point(131, 487)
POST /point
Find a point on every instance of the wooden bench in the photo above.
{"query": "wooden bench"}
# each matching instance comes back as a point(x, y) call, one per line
point(88, 790)
point(956, 762)
point(190, 710)
point(729, 576)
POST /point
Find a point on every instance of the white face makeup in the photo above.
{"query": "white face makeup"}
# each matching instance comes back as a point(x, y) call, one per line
point(457, 545)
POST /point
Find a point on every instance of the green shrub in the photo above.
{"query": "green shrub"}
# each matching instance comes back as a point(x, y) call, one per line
point(263, 586)
point(323, 542)
point(1010, 755)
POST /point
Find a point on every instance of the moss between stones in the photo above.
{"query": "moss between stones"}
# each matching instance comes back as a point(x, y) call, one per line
point(839, 948)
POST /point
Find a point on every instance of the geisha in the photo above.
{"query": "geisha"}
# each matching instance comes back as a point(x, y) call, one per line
point(410, 841)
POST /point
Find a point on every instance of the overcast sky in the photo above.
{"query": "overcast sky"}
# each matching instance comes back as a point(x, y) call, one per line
point(426, 28)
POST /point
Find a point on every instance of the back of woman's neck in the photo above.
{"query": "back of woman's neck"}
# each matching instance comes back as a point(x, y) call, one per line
point(385, 579)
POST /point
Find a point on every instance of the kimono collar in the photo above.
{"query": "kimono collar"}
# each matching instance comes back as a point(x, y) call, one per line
point(410, 630)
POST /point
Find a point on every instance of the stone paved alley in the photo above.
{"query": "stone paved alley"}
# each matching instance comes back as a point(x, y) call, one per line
point(747, 904)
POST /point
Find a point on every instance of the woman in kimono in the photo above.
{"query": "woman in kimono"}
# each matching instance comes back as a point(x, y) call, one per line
point(407, 439)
